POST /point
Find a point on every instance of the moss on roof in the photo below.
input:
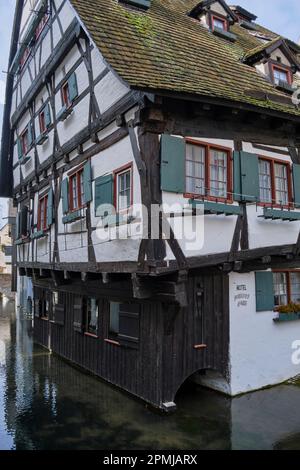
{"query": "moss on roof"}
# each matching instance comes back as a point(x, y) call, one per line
point(163, 49)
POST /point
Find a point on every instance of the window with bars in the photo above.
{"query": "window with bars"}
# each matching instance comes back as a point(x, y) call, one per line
point(274, 182)
point(286, 287)
point(208, 171)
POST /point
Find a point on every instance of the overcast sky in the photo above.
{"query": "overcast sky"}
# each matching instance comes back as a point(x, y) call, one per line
point(281, 16)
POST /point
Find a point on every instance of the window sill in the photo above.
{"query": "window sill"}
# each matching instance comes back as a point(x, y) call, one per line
point(286, 87)
point(198, 197)
point(111, 341)
point(22, 241)
point(24, 159)
point(44, 319)
point(276, 214)
point(72, 217)
point(215, 208)
point(64, 113)
point(39, 235)
point(284, 317)
point(91, 335)
point(224, 34)
point(42, 138)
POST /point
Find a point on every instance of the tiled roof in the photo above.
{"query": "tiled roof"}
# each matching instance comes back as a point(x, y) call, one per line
point(163, 49)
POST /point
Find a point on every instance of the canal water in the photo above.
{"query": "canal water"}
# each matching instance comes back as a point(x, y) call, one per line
point(47, 404)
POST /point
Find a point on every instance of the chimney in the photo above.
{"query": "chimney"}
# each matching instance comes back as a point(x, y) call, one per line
point(142, 4)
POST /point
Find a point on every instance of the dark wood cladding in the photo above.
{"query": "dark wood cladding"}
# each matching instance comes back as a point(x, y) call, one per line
point(166, 355)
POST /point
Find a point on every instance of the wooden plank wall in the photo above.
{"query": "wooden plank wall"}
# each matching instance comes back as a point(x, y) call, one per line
point(166, 356)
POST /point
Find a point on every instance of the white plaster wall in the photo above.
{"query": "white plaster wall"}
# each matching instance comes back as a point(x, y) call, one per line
point(66, 16)
point(109, 90)
point(260, 350)
point(279, 53)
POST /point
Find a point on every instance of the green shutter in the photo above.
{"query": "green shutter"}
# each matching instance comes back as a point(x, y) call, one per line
point(73, 88)
point(237, 182)
point(172, 164)
point(249, 177)
point(104, 194)
point(50, 208)
point(87, 182)
point(264, 288)
point(30, 134)
point(47, 116)
point(296, 181)
point(65, 195)
point(20, 150)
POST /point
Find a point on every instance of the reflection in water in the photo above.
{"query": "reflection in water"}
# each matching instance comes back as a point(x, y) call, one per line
point(47, 404)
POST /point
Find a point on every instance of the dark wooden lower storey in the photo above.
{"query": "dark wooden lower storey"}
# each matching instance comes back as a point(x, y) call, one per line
point(170, 343)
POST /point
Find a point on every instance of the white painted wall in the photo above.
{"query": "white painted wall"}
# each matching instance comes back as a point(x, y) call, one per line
point(260, 350)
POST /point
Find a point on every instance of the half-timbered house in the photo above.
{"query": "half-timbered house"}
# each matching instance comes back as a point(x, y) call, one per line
point(184, 105)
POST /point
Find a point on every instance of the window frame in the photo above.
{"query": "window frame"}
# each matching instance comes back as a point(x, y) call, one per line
point(42, 224)
point(273, 161)
point(24, 141)
point(287, 273)
point(208, 147)
point(25, 56)
point(65, 94)
point(117, 173)
point(76, 175)
point(283, 68)
point(42, 121)
point(41, 26)
point(218, 16)
point(117, 338)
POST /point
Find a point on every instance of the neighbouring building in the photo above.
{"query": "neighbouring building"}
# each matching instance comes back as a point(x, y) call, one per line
point(186, 104)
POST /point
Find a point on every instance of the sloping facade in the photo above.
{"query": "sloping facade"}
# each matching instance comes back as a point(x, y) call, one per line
point(115, 108)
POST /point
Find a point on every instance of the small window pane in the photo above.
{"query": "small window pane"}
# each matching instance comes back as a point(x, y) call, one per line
point(265, 185)
point(218, 173)
point(218, 23)
point(280, 289)
point(195, 169)
point(295, 287)
point(281, 184)
point(280, 76)
point(92, 316)
point(124, 190)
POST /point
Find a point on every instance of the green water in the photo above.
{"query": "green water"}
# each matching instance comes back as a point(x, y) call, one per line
point(47, 404)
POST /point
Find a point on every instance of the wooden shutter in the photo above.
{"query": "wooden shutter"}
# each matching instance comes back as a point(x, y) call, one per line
point(59, 315)
point(87, 182)
point(264, 288)
point(47, 116)
point(78, 314)
point(50, 213)
point(104, 194)
point(129, 322)
point(237, 182)
point(30, 134)
point(296, 182)
point(73, 88)
point(246, 176)
point(172, 164)
point(20, 150)
point(65, 195)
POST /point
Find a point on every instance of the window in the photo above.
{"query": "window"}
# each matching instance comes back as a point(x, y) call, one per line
point(65, 93)
point(124, 322)
point(286, 287)
point(41, 25)
point(91, 310)
point(123, 181)
point(76, 190)
point(281, 75)
point(42, 213)
point(208, 171)
point(274, 182)
point(42, 119)
point(218, 22)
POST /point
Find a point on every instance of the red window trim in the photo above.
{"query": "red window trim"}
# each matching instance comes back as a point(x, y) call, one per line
point(65, 94)
point(42, 224)
point(40, 27)
point(23, 137)
point(25, 57)
point(220, 18)
point(117, 172)
point(76, 174)
point(208, 147)
point(273, 161)
point(284, 68)
point(288, 280)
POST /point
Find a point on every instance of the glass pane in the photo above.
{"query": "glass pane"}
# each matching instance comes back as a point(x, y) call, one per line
point(265, 185)
point(114, 317)
point(124, 190)
point(295, 287)
point(219, 23)
point(281, 184)
point(218, 173)
point(280, 288)
point(280, 76)
point(92, 313)
point(195, 169)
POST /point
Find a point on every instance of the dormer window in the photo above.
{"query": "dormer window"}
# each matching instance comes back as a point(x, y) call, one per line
point(281, 74)
point(218, 22)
